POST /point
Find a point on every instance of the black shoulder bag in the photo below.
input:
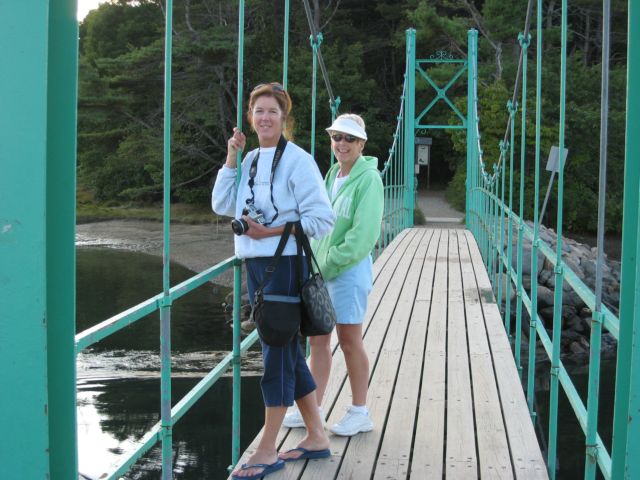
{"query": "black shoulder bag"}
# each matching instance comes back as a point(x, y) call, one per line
point(318, 315)
point(277, 316)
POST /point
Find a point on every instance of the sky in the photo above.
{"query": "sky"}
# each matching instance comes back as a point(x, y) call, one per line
point(84, 6)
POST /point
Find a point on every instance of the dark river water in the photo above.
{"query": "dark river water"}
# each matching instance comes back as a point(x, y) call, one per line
point(118, 378)
point(119, 388)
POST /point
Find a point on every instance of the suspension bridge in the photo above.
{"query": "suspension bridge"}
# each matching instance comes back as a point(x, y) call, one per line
point(447, 393)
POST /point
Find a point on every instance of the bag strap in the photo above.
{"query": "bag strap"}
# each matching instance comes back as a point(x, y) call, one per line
point(303, 245)
point(276, 258)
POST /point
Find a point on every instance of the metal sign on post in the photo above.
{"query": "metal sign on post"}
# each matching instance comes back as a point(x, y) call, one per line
point(553, 166)
point(423, 155)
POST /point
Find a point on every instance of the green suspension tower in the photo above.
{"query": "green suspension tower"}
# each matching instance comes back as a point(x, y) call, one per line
point(38, 83)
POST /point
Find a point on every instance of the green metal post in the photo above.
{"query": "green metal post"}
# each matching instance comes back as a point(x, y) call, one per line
point(626, 427)
point(165, 309)
point(493, 216)
point(504, 146)
point(399, 224)
point(533, 333)
point(471, 37)
point(334, 106)
point(315, 44)
point(485, 214)
point(60, 242)
point(475, 167)
point(559, 274)
point(524, 44)
point(409, 136)
point(490, 240)
point(482, 197)
point(591, 447)
point(494, 240)
point(488, 198)
point(285, 49)
point(491, 202)
point(237, 266)
point(507, 295)
point(480, 204)
point(38, 81)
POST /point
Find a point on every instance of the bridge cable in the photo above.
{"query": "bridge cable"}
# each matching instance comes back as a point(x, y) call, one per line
point(323, 68)
point(527, 27)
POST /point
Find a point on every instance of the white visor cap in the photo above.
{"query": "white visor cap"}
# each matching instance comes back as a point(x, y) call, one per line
point(348, 126)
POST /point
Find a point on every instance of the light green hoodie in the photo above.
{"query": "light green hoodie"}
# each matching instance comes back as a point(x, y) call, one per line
point(358, 206)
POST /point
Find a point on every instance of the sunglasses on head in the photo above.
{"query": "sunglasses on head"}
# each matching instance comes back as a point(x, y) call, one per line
point(338, 137)
point(275, 87)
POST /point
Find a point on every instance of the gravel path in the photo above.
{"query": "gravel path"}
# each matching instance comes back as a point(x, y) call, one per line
point(437, 211)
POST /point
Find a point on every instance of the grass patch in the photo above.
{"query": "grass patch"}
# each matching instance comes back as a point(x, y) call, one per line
point(88, 211)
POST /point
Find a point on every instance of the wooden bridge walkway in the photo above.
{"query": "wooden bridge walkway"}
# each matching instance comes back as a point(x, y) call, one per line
point(445, 396)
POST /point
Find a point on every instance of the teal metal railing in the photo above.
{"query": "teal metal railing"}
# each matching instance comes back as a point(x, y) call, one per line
point(488, 215)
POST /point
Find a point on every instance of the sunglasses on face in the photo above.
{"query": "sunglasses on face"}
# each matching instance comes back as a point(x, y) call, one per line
point(275, 87)
point(338, 137)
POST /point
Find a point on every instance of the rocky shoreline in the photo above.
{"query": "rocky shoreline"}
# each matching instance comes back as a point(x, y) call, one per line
point(576, 316)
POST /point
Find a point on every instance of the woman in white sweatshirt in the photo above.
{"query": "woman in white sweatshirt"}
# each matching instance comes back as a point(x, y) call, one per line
point(291, 191)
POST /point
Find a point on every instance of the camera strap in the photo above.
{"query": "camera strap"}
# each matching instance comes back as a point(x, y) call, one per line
point(253, 170)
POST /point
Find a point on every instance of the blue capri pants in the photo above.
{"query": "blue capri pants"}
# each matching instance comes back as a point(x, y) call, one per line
point(286, 375)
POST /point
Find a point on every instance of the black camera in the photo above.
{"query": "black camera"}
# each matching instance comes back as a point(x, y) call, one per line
point(240, 225)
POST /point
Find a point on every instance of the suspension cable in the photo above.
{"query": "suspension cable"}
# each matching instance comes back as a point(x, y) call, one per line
point(527, 26)
point(323, 68)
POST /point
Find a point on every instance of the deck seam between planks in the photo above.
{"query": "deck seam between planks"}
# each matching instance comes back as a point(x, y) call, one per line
point(385, 464)
point(290, 438)
point(428, 452)
point(424, 348)
point(534, 458)
point(384, 373)
point(374, 343)
point(475, 303)
point(470, 366)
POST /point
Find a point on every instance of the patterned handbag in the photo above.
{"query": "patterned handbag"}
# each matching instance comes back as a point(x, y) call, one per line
point(318, 315)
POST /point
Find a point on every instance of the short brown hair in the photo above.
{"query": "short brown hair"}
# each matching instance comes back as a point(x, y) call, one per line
point(277, 91)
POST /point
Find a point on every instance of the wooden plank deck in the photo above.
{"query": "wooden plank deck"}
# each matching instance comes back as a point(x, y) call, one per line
point(444, 392)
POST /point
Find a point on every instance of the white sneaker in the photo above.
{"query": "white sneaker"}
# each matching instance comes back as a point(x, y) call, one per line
point(352, 423)
point(293, 418)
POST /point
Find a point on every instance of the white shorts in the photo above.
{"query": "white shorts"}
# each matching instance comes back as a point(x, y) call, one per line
point(349, 292)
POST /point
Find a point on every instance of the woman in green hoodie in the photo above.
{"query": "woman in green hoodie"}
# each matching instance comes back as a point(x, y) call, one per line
point(344, 257)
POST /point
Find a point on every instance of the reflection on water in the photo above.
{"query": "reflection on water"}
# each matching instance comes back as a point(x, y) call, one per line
point(110, 281)
point(113, 415)
point(118, 378)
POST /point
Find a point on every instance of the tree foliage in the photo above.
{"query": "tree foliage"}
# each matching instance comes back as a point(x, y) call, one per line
point(121, 105)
